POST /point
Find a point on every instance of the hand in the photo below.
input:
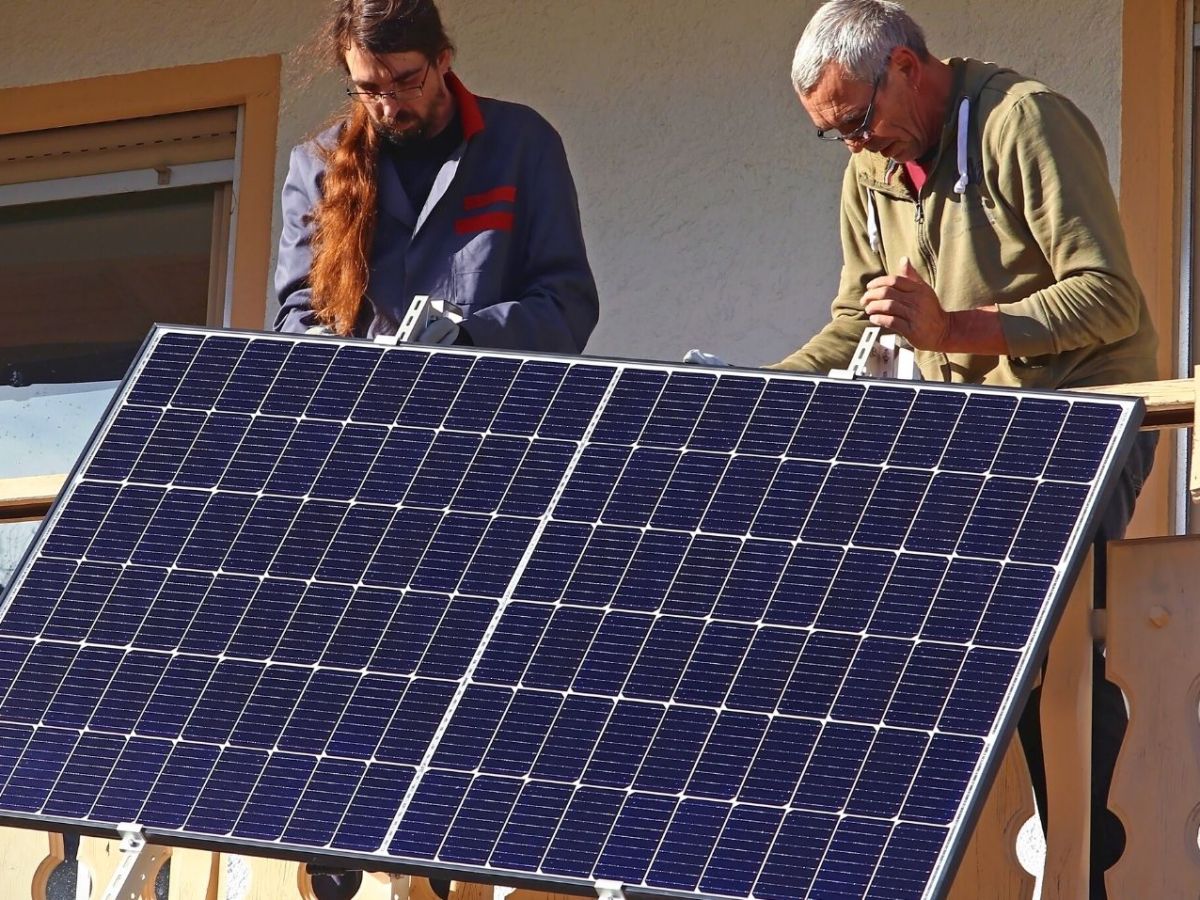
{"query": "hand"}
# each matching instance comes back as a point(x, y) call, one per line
point(442, 332)
point(319, 329)
point(905, 304)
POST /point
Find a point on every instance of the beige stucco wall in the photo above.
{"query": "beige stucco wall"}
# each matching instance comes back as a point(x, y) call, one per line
point(710, 209)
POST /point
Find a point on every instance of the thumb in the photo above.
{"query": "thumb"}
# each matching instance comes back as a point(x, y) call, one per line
point(907, 270)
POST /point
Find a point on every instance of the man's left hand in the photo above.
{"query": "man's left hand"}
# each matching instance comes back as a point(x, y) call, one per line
point(905, 304)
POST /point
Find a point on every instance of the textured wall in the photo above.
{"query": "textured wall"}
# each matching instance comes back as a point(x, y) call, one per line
point(710, 209)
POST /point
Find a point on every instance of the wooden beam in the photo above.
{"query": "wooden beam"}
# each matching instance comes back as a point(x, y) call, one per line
point(1169, 404)
point(28, 498)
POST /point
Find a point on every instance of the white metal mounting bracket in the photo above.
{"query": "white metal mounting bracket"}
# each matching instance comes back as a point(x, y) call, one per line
point(610, 890)
point(880, 355)
point(139, 863)
point(422, 312)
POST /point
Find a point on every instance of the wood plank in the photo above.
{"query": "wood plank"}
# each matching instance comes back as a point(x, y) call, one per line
point(1169, 404)
point(27, 859)
point(1194, 476)
point(28, 498)
point(197, 875)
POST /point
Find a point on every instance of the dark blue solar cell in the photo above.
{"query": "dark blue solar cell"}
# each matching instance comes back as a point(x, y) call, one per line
point(223, 699)
point(220, 611)
point(298, 379)
point(126, 606)
point(798, 849)
point(253, 376)
point(676, 748)
point(856, 590)
point(389, 386)
point(451, 548)
point(937, 791)
point(692, 483)
point(463, 625)
point(960, 600)
point(296, 471)
point(349, 461)
point(402, 547)
point(776, 417)
point(13, 741)
point(879, 419)
point(361, 628)
point(354, 545)
point(172, 523)
point(317, 711)
point(818, 674)
point(408, 633)
point(635, 838)
point(478, 824)
point(871, 680)
point(659, 666)
point(679, 406)
point(527, 833)
point(309, 631)
point(40, 592)
point(89, 677)
point(259, 630)
point(500, 552)
point(214, 447)
point(826, 420)
point(576, 402)
point(442, 469)
point(37, 679)
point(701, 576)
point(852, 858)
point(571, 739)
point(628, 407)
point(585, 827)
point(908, 861)
point(890, 512)
point(167, 363)
point(803, 586)
point(255, 459)
point(740, 495)
point(553, 560)
point(780, 760)
point(928, 429)
point(79, 519)
point(416, 721)
point(906, 599)
point(125, 699)
point(174, 794)
point(602, 566)
point(126, 439)
point(739, 854)
point(275, 797)
point(168, 446)
point(938, 526)
point(557, 657)
point(617, 644)
point(482, 394)
point(435, 391)
point(591, 484)
point(89, 766)
point(392, 472)
point(74, 615)
point(715, 662)
point(833, 767)
point(887, 774)
point(1049, 522)
point(124, 524)
point(338, 392)
point(527, 399)
point(135, 772)
point(752, 580)
point(766, 669)
point(1030, 438)
point(221, 800)
point(174, 696)
point(370, 813)
point(1016, 602)
point(651, 571)
point(270, 706)
point(307, 540)
point(1083, 441)
point(537, 479)
point(208, 373)
point(619, 753)
point(687, 844)
point(641, 484)
point(491, 471)
point(981, 428)
point(976, 697)
point(324, 802)
point(428, 818)
point(169, 616)
point(521, 733)
point(38, 768)
point(996, 518)
point(837, 511)
point(726, 414)
point(924, 686)
point(507, 653)
point(727, 757)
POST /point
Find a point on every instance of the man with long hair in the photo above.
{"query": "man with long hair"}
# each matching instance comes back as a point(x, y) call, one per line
point(422, 188)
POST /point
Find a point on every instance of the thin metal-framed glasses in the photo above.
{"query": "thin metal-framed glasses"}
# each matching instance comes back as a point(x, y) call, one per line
point(864, 129)
point(402, 94)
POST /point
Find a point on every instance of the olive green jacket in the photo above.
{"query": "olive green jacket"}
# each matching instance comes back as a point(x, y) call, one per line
point(1036, 232)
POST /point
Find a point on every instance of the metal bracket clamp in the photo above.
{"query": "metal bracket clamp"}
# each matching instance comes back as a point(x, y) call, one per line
point(422, 312)
point(880, 356)
point(610, 890)
point(139, 863)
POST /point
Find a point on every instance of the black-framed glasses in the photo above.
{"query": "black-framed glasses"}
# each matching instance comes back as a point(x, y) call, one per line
point(864, 128)
point(401, 94)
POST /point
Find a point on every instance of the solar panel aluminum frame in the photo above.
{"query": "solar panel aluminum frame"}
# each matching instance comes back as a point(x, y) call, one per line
point(960, 830)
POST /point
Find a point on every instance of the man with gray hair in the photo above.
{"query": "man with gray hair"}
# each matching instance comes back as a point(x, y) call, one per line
point(978, 222)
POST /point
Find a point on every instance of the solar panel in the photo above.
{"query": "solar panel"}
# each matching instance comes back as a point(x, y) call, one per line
point(717, 633)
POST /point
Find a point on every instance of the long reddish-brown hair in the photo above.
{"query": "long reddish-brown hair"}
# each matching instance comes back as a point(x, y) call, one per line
point(344, 219)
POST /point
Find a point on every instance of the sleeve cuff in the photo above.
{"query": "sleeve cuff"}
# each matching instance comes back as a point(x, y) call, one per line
point(1025, 336)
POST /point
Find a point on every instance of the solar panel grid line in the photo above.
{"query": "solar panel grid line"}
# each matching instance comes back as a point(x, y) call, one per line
point(477, 655)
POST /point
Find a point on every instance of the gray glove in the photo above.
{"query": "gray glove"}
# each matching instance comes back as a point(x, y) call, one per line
point(700, 358)
point(443, 332)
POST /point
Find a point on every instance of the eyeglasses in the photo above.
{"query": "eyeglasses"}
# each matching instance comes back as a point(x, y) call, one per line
point(402, 93)
point(863, 131)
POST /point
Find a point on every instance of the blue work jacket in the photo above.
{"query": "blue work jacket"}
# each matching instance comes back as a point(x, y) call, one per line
point(499, 235)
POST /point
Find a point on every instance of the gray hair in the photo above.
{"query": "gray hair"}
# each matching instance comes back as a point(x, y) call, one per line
point(859, 35)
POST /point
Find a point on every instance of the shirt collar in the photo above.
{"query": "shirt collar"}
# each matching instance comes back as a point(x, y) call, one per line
point(468, 107)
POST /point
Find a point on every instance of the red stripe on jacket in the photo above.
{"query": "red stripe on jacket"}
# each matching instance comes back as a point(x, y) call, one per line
point(506, 194)
point(495, 221)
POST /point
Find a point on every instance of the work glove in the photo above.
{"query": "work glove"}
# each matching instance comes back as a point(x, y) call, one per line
point(700, 358)
point(442, 332)
point(319, 329)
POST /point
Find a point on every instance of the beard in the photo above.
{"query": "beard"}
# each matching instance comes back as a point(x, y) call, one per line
point(402, 132)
